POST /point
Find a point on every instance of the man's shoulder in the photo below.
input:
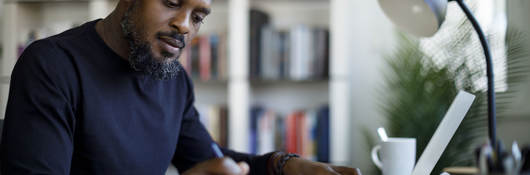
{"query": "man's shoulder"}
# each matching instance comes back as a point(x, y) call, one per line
point(44, 57)
point(42, 50)
point(56, 47)
point(70, 39)
point(43, 62)
point(75, 34)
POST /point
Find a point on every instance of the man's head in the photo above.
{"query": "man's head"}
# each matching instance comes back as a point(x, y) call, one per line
point(158, 30)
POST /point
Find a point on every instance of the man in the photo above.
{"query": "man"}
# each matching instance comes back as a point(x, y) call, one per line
point(110, 97)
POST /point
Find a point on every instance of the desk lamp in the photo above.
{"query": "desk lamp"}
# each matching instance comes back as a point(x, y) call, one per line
point(423, 18)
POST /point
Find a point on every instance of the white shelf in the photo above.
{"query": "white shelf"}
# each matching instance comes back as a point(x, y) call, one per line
point(285, 97)
point(211, 92)
point(287, 82)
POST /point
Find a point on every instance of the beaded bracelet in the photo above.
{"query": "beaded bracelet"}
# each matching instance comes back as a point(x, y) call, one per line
point(282, 162)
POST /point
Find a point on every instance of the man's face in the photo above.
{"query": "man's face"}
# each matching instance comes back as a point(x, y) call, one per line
point(158, 30)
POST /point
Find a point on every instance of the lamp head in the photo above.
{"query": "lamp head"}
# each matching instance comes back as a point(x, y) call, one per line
point(419, 17)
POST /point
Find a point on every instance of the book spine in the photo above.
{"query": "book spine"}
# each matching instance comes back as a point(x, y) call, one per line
point(214, 59)
point(323, 134)
point(204, 58)
point(222, 56)
point(194, 55)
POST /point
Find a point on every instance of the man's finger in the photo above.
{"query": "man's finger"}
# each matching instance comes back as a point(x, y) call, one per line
point(244, 167)
point(224, 166)
point(347, 170)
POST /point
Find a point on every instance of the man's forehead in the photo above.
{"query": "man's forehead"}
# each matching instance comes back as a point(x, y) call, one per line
point(204, 3)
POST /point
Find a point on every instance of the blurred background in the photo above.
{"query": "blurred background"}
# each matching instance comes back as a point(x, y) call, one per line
point(317, 77)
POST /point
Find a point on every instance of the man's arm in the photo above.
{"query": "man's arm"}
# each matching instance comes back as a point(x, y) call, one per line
point(39, 122)
point(194, 143)
point(194, 147)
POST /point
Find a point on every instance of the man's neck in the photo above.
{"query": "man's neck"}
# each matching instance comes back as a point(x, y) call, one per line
point(110, 30)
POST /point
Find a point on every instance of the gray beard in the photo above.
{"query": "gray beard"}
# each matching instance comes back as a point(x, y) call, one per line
point(141, 57)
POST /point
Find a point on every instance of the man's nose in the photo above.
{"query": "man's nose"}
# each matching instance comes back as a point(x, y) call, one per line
point(181, 22)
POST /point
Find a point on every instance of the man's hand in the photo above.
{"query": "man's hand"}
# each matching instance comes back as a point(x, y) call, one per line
point(219, 166)
point(299, 166)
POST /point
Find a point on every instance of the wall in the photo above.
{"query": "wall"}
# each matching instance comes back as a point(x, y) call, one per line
point(1, 19)
point(367, 36)
point(9, 11)
point(518, 121)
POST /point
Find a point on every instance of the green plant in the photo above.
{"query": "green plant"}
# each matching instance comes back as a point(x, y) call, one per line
point(422, 90)
point(420, 94)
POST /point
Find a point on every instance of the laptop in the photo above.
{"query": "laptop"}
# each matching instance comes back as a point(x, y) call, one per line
point(443, 134)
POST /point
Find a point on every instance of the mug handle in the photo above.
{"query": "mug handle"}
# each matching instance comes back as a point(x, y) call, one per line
point(375, 157)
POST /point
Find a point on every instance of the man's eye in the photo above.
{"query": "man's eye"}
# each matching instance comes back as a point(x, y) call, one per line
point(172, 4)
point(197, 19)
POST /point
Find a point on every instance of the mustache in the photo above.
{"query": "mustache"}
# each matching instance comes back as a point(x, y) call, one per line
point(173, 35)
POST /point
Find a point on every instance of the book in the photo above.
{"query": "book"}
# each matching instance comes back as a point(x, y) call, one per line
point(214, 56)
point(303, 132)
point(300, 53)
point(258, 20)
point(294, 131)
point(185, 60)
point(222, 66)
point(270, 54)
point(322, 134)
point(283, 49)
point(215, 120)
point(194, 57)
point(255, 114)
point(321, 50)
point(266, 128)
point(309, 135)
point(205, 57)
point(279, 134)
point(223, 125)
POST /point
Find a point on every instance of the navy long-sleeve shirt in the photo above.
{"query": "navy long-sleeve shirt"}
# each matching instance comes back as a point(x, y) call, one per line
point(76, 107)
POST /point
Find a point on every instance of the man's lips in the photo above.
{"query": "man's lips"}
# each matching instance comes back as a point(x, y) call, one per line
point(173, 42)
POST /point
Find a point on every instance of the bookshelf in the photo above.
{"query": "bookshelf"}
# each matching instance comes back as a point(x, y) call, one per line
point(239, 92)
point(286, 95)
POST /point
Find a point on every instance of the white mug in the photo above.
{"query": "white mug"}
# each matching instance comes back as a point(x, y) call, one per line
point(398, 156)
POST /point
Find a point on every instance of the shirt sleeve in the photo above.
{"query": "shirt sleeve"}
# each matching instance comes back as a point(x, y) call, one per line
point(194, 143)
point(39, 121)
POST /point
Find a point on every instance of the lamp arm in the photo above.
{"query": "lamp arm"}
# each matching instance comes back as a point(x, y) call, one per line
point(489, 72)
